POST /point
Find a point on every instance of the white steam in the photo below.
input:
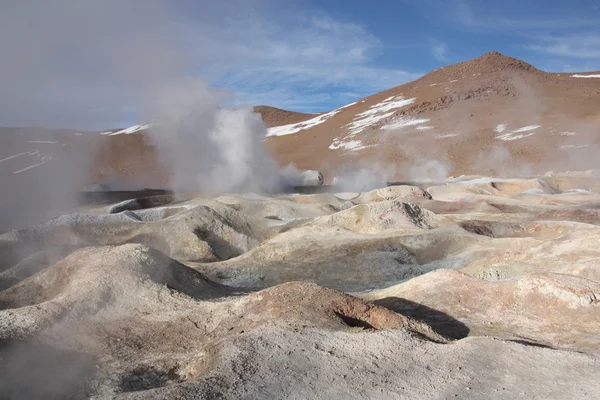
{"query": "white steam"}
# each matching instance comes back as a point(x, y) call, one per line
point(428, 170)
point(364, 176)
point(111, 63)
point(205, 146)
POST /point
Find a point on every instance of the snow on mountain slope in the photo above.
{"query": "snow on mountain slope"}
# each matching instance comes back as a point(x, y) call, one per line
point(477, 107)
point(367, 119)
point(305, 125)
point(585, 76)
point(377, 112)
point(128, 131)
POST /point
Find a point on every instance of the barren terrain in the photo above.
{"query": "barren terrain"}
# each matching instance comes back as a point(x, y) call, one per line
point(470, 288)
point(452, 253)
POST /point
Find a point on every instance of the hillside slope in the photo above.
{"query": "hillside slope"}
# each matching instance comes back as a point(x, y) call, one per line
point(531, 121)
point(273, 116)
point(493, 115)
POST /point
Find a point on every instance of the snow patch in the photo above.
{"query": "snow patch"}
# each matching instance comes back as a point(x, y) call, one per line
point(365, 119)
point(573, 146)
point(300, 126)
point(14, 156)
point(41, 141)
point(568, 133)
point(404, 122)
point(500, 128)
point(352, 145)
point(424, 128)
point(517, 133)
point(378, 112)
point(585, 76)
point(511, 136)
point(130, 130)
point(358, 125)
point(446, 135)
point(527, 128)
point(347, 105)
point(30, 167)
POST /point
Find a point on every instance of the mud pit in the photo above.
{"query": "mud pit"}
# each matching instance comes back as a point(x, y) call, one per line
point(477, 288)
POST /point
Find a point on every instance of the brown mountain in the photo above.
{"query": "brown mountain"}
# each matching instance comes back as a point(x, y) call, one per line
point(493, 115)
point(273, 116)
point(528, 119)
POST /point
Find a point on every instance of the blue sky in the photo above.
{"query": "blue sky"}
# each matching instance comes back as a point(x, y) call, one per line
point(91, 65)
point(356, 48)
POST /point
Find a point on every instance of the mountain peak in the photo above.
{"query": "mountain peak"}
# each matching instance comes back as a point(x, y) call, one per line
point(494, 61)
point(496, 54)
point(484, 65)
point(273, 116)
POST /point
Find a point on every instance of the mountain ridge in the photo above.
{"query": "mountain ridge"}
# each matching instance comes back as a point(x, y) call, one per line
point(493, 115)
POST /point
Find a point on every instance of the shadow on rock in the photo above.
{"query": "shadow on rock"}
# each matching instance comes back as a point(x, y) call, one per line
point(440, 322)
point(221, 248)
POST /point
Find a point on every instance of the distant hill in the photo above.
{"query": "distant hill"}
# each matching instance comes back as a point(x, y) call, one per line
point(494, 115)
point(524, 119)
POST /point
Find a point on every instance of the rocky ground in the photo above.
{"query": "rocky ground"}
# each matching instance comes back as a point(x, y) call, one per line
point(468, 288)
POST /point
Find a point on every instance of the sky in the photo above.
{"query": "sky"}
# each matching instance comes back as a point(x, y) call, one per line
point(88, 64)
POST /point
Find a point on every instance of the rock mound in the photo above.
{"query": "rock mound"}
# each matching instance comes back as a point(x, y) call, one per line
point(383, 216)
point(397, 192)
point(93, 279)
point(552, 309)
point(310, 304)
point(197, 234)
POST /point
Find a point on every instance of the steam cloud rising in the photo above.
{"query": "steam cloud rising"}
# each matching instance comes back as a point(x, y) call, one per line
point(100, 64)
point(208, 147)
point(90, 64)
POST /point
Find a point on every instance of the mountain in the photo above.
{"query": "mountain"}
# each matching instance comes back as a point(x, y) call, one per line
point(273, 116)
point(494, 115)
point(527, 120)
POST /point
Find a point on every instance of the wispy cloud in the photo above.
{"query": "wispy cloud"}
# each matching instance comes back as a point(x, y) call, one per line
point(309, 64)
point(467, 14)
point(439, 50)
point(580, 46)
point(90, 69)
point(559, 36)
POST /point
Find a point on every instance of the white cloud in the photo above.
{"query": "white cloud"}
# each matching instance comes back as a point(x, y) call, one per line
point(580, 46)
point(557, 38)
point(86, 67)
point(504, 19)
point(301, 64)
point(439, 50)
